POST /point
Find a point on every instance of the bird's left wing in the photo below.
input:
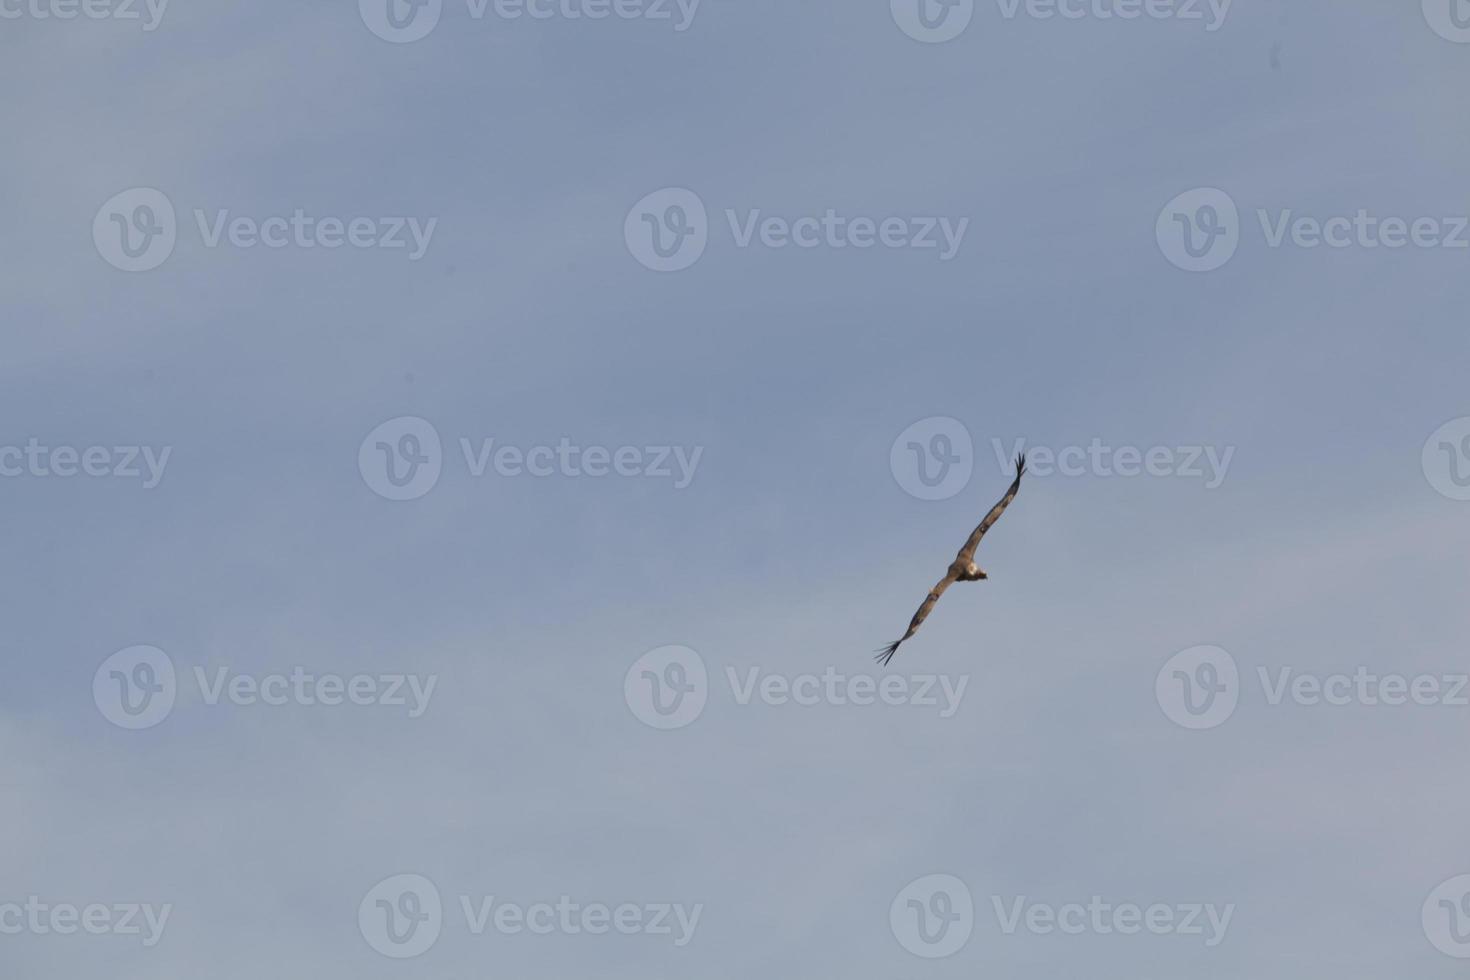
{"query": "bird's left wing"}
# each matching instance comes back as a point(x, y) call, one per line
point(967, 553)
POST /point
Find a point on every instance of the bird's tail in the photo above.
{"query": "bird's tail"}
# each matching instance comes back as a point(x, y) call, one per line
point(886, 654)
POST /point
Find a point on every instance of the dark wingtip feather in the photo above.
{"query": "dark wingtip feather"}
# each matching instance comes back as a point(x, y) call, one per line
point(1020, 465)
point(886, 654)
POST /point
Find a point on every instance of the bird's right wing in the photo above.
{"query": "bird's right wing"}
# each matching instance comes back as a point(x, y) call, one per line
point(928, 604)
point(886, 654)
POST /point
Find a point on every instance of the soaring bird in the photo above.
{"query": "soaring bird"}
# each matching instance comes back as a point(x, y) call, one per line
point(963, 568)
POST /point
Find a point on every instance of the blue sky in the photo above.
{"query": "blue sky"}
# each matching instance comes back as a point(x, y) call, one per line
point(1329, 546)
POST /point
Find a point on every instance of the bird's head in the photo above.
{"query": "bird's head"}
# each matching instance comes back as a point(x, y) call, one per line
point(976, 571)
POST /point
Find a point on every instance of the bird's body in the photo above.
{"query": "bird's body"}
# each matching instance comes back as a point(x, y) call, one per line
point(962, 569)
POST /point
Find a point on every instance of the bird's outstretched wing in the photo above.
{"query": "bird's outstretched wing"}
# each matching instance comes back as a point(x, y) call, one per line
point(965, 557)
point(886, 654)
point(967, 553)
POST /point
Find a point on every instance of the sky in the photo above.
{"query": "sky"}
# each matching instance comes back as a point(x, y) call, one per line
point(458, 459)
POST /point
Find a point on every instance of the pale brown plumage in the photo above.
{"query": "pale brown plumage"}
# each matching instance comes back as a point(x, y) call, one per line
point(962, 569)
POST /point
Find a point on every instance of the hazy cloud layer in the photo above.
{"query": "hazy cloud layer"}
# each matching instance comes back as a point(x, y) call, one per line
point(475, 381)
